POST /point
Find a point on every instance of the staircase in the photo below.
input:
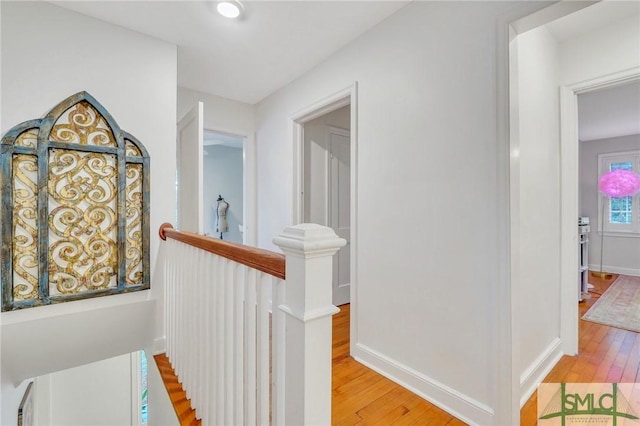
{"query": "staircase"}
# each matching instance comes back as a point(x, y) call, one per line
point(182, 406)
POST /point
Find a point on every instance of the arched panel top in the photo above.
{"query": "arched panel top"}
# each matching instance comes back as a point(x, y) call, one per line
point(20, 132)
point(82, 124)
point(134, 147)
point(82, 120)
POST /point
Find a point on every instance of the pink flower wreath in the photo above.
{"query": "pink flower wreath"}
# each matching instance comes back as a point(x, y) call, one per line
point(619, 183)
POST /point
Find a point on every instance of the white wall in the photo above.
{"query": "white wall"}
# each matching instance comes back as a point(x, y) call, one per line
point(316, 163)
point(236, 118)
point(100, 393)
point(48, 54)
point(621, 254)
point(427, 259)
point(607, 50)
point(536, 208)
point(223, 176)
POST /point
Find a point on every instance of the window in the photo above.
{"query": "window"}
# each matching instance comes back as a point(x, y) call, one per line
point(622, 215)
point(75, 216)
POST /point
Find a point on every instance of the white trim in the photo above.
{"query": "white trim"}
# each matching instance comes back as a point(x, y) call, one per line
point(339, 99)
point(456, 403)
point(614, 234)
point(136, 389)
point(533, 375)
point(569, 211)
point(634, 272)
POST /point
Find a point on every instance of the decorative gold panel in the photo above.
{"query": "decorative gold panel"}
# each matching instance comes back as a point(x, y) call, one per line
point(83, 253)
point(28, 138)
point(131, 150)
point(25, 226)
point(84, 125)
point(133, 231)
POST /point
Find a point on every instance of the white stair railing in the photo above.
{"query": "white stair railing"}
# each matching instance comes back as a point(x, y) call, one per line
point(218, 303)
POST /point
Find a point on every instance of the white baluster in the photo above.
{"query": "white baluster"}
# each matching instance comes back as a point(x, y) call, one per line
point(277, 352)
point(250, 348)
point(262, 344)
point(238, 359)
point(219, 311)
point(307, 302)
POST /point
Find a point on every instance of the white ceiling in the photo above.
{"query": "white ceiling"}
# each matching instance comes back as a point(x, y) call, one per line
point(592, 17)
point(214, 138)
point(611, 112)
point(275, 43)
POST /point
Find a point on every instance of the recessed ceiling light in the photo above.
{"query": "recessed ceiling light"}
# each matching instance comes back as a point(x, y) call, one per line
point(229, 8)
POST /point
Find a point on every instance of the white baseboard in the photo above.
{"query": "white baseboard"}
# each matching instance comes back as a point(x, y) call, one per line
point(536, 372)
point(616, 270)
point(456, 403)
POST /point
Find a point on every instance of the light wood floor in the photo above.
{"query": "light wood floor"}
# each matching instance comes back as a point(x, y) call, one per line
point(363, 397)
point(606, 354)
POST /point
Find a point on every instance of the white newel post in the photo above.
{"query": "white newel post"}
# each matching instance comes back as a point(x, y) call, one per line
point(306, 303)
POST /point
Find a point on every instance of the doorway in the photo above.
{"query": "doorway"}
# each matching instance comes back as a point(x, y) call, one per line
point(325, 182)
point(327, 186)
point(229, 157)
point(223, 175)
point(544, 175)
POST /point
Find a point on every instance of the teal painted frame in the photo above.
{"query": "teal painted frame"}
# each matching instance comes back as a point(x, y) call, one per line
point(8, 149)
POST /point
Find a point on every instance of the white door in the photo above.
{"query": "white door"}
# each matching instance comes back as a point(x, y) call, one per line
point(190, 175)
point(340, 210)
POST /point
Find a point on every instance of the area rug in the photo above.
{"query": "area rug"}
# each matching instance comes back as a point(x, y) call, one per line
point(619, 306)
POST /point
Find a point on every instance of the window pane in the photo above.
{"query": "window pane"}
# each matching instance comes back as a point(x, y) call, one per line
point(620, 210)
point(625, 165)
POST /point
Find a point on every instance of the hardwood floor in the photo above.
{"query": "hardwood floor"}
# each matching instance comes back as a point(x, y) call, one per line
point(606, 354)
point(363, 397)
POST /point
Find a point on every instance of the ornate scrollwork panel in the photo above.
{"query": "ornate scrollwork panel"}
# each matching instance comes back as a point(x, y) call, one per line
point(83, 252)
point(133, 211)
point(131, 149)
point(28, 138)
point(76, 206)
point(84, 125)
point(25, 227)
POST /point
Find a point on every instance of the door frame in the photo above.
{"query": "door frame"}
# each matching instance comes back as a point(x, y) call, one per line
point(569, 189)
point(330, 103)
point(248, 158)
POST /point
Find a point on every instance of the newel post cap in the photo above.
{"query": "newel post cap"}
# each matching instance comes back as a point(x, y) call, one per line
point(309, 239)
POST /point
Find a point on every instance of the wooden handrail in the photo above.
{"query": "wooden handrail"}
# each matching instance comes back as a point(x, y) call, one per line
point(260, 259)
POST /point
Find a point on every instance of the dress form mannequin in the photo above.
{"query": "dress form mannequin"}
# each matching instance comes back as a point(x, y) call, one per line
point(221, 215)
